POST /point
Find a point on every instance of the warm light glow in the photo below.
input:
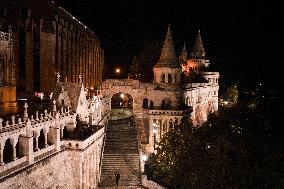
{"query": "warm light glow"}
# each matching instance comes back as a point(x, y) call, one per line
point(144, 157)
point(155, 128)
point(121, 95)
point(117, 70)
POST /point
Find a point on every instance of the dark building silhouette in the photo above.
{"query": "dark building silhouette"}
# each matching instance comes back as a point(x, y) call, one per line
point(48, 39)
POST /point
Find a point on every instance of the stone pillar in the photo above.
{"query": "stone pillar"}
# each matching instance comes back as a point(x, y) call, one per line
point(14, 151)
point(28, 80)
point(26, 145)
point(45, 138)
point(36, 143)
point(1, 121)
point(54, 137)
point(161, 128)
point(73, 70)
point(47, 56)
point(26, 112)
point(1, 154)
point(59, 47)
point(69, 53)
point(64, 53)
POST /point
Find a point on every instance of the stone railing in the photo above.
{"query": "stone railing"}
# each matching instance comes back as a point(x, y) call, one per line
point(166, 112)
point(80, 145)
point(12, 164)
point(24, 131)
point(150, 184)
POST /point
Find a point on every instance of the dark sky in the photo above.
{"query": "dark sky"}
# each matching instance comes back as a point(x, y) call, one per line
point(242, 40)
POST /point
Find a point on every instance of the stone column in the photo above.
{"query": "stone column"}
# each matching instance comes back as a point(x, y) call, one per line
point(1, 121)
point(77, 55)
point(1, 154)
point(73, 71)
point(45, 138)
point(54, 137)
point(14, 151)
point(26, 145)
point(36, 143)
point(161, 128)
point(69, 53)
point(28, 79)
point(64, 52)
point(59, 47)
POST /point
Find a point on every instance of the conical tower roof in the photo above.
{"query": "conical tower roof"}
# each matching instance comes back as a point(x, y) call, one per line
point(183, 54)
point(134, 69)
point(198, 49)
point(168, 56)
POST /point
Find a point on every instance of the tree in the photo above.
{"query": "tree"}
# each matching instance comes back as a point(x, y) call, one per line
point(237, 147)
point(233, 94)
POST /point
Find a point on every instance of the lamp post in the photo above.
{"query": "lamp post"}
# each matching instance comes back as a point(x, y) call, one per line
point(155, 130)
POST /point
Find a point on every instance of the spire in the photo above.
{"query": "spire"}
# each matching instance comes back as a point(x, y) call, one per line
point(183, 55)
point(168, 56)
point(134, 72)
point(198, 49)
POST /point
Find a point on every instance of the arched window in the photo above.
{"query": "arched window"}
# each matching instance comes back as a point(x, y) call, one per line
point(8, 151)
point(163, 78)
point(169, 78)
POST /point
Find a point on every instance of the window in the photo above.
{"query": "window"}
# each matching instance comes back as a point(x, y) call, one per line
point(169, 78)
point(163, 78)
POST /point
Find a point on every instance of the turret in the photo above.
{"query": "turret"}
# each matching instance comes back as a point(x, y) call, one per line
point(167, 69)
point(183, 57)
point(197, 56)
point(135, 70)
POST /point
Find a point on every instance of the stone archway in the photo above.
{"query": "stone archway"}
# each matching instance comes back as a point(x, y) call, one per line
point(121, 101)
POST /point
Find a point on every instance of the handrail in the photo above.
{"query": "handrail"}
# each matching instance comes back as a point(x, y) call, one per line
point(103, 145)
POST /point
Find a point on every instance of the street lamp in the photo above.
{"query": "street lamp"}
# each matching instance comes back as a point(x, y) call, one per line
point(144, 157)
point(117, 70)
point(155, 130)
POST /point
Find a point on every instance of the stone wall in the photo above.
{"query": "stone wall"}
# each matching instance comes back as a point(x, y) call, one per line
point(52, 172)
point(77, 165)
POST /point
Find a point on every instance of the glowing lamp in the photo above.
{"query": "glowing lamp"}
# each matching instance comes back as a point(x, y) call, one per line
point(117, 70)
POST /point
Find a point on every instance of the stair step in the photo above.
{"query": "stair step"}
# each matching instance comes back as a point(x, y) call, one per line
point(121, 154)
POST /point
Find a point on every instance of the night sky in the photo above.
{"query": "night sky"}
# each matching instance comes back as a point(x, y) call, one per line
point(241, 40)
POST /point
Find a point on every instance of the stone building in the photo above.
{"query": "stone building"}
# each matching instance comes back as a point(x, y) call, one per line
point(158, 105)
point(48, 39)
point(45, 150)
point(7, 69)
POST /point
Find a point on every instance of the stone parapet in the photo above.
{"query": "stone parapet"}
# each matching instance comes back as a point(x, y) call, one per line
point(81, 145)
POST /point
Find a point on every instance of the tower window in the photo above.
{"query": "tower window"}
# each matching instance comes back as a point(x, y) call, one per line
point(169, 78)
point(163, 78)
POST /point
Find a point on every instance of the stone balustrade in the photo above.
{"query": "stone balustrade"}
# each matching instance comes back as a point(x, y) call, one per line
point(26, 140)
point(166, 112)
point(81, 145)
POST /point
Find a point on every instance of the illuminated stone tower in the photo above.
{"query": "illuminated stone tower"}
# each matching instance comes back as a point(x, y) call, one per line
point(197, 57)
point(167, 69)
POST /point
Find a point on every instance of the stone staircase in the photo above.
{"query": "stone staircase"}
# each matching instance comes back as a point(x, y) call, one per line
point(121, 154)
